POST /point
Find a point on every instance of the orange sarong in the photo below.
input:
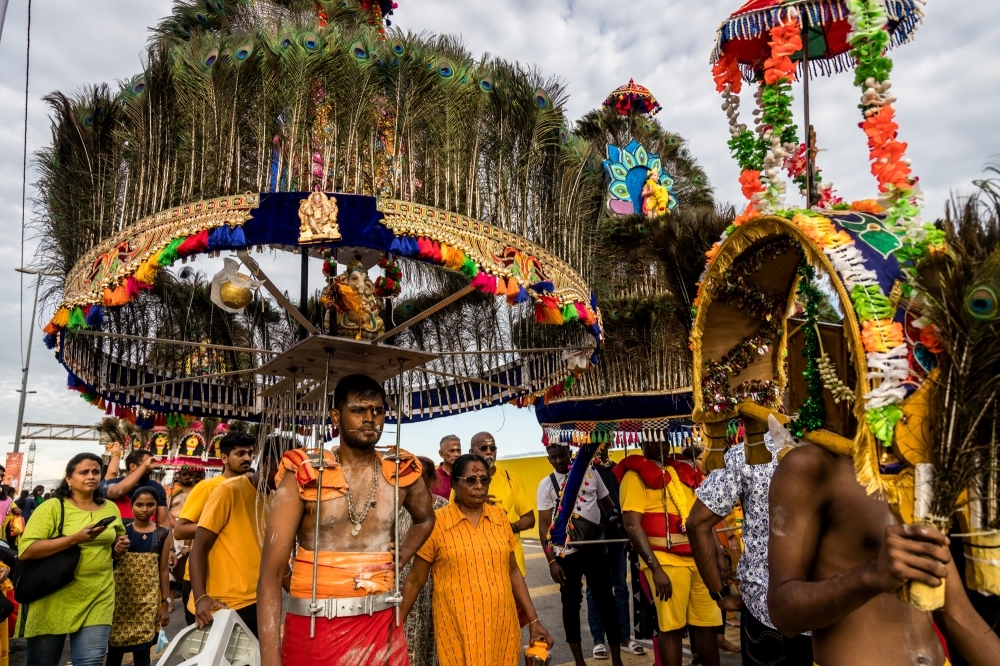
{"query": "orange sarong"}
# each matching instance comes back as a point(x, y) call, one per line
point(342, 574)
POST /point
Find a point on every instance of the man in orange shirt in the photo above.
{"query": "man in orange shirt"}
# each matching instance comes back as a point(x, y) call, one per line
point(225, 558)
point(236, 450)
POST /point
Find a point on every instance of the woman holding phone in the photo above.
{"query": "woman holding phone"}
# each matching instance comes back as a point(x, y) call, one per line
point(82, 610)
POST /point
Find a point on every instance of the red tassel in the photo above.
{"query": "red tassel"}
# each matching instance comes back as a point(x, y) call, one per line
point(436, 252)
point(424, 248)
point(194, 244)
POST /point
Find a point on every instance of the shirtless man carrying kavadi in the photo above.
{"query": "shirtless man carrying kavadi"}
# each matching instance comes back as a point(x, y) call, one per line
point(837, 557)
point(356, 624)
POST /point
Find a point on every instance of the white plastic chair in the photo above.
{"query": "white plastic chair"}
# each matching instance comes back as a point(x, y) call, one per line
point(225, 642)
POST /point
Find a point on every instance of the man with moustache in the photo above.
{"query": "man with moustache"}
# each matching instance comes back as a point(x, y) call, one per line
point(507, 492)
point(354, 490)
point(451, 449)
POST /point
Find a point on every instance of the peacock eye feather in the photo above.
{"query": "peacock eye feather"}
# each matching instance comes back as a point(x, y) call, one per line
point(486, 84)
point(138, 84)
point(359, 51)
point(542, 99)
point(982, 303)
point(243, 52)
point(398, 47)
point(201, 17)
point(445, 69)
point(311, 42)
point(210, 58)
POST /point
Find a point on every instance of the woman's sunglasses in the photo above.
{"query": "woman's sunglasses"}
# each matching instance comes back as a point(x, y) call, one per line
point(471, 481)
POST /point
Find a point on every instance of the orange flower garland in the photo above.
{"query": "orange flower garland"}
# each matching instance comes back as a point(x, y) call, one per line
point(727, 72)
point(786, 40)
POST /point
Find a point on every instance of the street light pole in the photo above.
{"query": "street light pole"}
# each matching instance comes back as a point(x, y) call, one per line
point(27, 356)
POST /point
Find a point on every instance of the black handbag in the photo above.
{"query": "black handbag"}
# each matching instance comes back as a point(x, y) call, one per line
point(37, 579)
point(578, 528)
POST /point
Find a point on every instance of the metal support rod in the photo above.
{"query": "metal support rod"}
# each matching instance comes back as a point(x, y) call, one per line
point(165, 341)
point(27, 359)
point(281, 299)
point(313, 607)
point(458, 295)
point(3, 13)
point(397, 598)
point(805, 105)
point(304, 289)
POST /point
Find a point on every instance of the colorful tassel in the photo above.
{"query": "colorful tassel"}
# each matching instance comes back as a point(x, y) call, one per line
point(50, 340)
point(147, 271)
point(50, 329)
point(115, 297)
point(484, 282)
point(501, 286)
point(436, 252)
point(77, 319)
point(544, 287)
point(220, 239)
point(169, 254)
point(424, 248)
point(94, 317)
point(522, 295)
point(569, 313)
point(195, 244)
point(131, 287)
point(469, 268)
point(61, 318)
point(237, 239)
point(395, 247)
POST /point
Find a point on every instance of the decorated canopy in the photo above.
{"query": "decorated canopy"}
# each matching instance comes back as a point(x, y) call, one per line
point(632, 98)
point(744, 36)
point(315, 128)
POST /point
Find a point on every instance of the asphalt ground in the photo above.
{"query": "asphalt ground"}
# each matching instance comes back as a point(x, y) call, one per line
point(544, 594)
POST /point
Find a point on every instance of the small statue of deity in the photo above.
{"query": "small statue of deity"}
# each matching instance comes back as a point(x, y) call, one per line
point(318, 219)
point(655, 197)
point(352, 296)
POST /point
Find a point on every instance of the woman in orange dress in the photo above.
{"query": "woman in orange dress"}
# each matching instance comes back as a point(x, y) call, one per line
point(476, 579)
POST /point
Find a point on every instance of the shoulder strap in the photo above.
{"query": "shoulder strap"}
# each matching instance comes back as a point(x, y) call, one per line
point(62, 517)
point(555, 484)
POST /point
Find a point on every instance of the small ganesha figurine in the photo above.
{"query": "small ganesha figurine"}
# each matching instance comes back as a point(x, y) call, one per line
point(318, 219)
point(352, 296)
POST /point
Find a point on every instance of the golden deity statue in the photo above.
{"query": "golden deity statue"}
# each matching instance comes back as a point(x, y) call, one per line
point(352, 296)
point(318, 219)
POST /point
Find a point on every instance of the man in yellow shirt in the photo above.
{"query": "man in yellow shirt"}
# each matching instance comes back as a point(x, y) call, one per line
point(507, 492)
point(225, 558)
point(657, 493)
point(236, 451)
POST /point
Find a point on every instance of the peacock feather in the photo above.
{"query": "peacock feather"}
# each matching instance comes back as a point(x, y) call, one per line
point(959, 295)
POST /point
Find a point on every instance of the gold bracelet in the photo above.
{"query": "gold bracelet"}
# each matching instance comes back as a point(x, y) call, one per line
point(199, 599)
point(532, 622)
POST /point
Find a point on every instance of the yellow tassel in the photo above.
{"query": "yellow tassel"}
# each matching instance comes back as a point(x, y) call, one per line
point(62, 318)
point(147, 272)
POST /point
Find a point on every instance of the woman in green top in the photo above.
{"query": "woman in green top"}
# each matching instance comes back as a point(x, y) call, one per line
point(82, 610)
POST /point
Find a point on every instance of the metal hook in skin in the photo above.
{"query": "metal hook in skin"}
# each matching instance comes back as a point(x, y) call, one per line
point(396, 597)
point(315, 608)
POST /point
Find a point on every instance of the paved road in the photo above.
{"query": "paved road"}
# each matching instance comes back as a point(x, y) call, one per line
point(545, 594)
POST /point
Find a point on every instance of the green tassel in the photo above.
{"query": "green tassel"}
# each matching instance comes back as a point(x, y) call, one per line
point(570, 380)
point(76, 319)
point(569, 313)
point(169, 254)
point(469, 268)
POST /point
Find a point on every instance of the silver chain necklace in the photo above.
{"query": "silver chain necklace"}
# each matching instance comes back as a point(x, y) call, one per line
point(355, 517)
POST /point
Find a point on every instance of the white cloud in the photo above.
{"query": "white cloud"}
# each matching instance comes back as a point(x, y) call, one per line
point(947, 92)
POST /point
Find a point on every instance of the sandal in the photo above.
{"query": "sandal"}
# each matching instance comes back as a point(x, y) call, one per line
point(600, 652)
point(633, 648)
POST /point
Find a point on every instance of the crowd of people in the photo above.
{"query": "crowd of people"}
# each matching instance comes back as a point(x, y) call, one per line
point(819, 561)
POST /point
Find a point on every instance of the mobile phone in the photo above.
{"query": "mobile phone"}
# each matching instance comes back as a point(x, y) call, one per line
point(103, 522)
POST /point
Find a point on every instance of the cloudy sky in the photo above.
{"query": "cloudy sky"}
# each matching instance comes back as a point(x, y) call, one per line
point(948, 100)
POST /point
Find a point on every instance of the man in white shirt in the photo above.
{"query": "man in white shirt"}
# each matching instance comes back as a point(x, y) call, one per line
point(568, 566)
